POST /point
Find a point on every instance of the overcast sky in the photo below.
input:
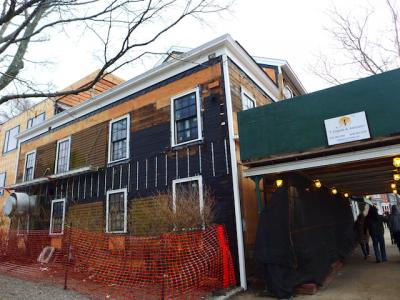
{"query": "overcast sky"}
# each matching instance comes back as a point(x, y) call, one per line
point(286, 29)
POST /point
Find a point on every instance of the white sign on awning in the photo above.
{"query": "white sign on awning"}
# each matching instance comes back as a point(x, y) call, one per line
point(348, 128)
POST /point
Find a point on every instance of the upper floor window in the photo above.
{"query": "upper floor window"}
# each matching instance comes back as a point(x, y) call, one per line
point(247, 100)
point(57, 216)
point(36, 120)
point(29, 166)
point(118, 145)
point(2, 182)
point(116, 211)
point(185, 118)
point(62, 155)
point(10, 141)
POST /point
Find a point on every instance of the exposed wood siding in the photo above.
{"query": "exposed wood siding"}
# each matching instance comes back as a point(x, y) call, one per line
point(90, 146)
point(45, 158)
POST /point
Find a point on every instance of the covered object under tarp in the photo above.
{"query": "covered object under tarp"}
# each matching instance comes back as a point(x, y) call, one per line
point(301, 233)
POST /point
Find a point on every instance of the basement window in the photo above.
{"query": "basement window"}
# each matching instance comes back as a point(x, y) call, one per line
point(63, 155)
point(118, 144)
point(188, 188)
point(185, 118)
point(248, 101)
point(2, 182)
point(57, 217)
point(29, 165)
point(10, 141)
point(116, 211)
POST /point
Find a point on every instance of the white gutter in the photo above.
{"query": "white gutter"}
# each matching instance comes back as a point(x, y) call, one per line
point(199, 55)
point(323, 161)
point(235, 177)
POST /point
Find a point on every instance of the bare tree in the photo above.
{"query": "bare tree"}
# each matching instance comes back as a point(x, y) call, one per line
point(364, 44)
point(14, 108)
point(122, 29)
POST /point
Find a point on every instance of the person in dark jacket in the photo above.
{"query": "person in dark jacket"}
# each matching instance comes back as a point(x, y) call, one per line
point(374, 225)
point(361, 234)
point(394, 225)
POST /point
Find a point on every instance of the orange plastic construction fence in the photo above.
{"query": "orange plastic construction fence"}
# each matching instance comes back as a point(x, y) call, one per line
point(185, 265)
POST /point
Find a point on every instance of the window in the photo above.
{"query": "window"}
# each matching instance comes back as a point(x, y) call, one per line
point(192, 185)
point(62, 155)
point(10, 141)
point(118, 145)
point(29, 171)
point(185, 118)
point(116, 211)
point(2, 182)
point(57, 216)
point(247, 100)
point(36, 120)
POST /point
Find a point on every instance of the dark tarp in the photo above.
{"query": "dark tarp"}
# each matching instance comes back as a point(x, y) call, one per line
point(301, 232)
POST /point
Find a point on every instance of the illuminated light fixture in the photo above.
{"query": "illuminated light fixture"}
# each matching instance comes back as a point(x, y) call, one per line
point(396, 177)
point(279, 182)
point(317, 184)
point(394, 192)
point(346, 195)
point(396, 162)
point(334, 191)
point(393, 186)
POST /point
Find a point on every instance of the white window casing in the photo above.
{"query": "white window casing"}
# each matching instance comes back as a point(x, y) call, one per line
point(199, 180)
point(248, 100)
point(3, 176)
point(128, 133)
point(199, 137)
point(51, 231)
point(56, 167)
point(33, 167)
point(10, 140)
point(125, 225)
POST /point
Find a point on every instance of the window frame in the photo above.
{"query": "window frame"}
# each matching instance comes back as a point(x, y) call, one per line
point(199, 179)
point(110, 192)
point(198, 115)
point(128, 137)
point(4, 183)
point(35, 117)
point(7, 139)
point(51, 217)
point(57, 154)
point(245, 93)
point(34, 164)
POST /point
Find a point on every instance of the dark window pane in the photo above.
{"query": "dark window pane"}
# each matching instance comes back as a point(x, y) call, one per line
point(185, 113)
point(119, 134)
point(116, 212)
point(63, 157)
point(57, 219)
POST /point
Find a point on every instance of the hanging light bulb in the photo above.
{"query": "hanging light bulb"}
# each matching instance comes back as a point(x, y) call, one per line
point(279, 182)
point(396, 177)
point(317, 183)
point(346, 195)
point(394, 192)
point(393, 186)
point(334, 191)
point(396, 162)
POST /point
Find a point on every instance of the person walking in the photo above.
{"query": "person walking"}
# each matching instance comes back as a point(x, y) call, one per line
point(361, 234)
point(374, 225)
point(394, 225)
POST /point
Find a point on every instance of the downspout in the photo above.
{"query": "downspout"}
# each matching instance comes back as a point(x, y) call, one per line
point(235, 180)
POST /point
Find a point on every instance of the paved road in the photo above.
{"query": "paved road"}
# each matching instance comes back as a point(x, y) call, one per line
point(359, 280)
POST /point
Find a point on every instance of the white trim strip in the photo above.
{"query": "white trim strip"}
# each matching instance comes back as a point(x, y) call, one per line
point(324, 161)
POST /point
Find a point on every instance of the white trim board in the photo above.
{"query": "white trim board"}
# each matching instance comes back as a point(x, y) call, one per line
point(324, 161)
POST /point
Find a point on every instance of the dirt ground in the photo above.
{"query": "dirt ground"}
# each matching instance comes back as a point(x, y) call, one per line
point(358, 279)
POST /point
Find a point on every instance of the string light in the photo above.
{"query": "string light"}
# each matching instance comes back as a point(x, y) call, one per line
point(396, 162)
point(394, 192)
point(393, 186)
point(396, 177)
point(279, 182)
point(346, 195)
point(334, 191)
point(317, 184)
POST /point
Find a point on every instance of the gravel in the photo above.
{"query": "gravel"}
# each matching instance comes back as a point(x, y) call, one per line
point(12, 288)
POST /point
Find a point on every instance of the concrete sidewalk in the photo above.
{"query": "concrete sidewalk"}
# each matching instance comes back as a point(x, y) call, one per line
point(359, 279)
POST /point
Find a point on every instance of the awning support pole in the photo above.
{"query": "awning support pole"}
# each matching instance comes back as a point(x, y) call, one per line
point(257, 180)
